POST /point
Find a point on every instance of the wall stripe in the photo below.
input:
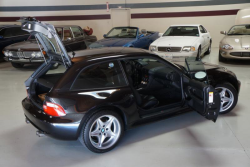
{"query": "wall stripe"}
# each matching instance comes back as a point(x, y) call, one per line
point(60, 18)
point(133, 16)
point(125, 5)
point(184, 14)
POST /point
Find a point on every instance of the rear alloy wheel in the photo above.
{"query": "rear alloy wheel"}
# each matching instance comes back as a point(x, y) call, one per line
point(228, 96)
point(17, 65)
point(102, 131)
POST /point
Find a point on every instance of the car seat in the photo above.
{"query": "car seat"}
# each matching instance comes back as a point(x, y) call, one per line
point(144, 101)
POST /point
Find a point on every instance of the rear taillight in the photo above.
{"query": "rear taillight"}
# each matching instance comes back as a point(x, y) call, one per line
point(53, 109)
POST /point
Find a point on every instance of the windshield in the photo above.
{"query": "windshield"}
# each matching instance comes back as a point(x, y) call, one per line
point(122, 32)
point(240, 30)
point(182, 31)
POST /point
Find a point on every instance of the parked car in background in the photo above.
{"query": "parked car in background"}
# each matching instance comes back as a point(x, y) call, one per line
point(180, 41)
point(236, 43)
point(27, 52)
point(127, 37)
point(10, 34)
point(97, 96)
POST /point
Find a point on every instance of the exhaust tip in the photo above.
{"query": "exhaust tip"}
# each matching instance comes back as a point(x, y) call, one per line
point(27, 121)
point(40, 133)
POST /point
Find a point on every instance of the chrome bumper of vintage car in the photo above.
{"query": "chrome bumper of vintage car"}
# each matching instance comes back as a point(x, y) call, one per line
point(235, 54)
point(18, 60)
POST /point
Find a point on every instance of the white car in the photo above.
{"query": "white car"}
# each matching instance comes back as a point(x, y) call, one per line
point(183, 41)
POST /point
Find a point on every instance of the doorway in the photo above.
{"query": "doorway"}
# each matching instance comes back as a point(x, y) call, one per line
point(120, 17)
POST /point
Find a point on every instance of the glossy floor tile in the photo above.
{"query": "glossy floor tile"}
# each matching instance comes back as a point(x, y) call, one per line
point(187, 140)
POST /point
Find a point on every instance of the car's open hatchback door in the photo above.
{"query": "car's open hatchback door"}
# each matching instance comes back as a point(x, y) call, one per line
point(199, 95)
point(46, 36)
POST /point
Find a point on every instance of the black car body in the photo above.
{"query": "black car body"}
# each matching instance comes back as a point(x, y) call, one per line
point(10, 34)
point(128, 86)
point(27, 52)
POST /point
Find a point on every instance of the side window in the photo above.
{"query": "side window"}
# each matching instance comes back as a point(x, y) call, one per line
point(100, 76)
point(202, 30)
point(7, 33)
point(66, 33)
point(59, 31)
point(18, 31)
point(76, 31)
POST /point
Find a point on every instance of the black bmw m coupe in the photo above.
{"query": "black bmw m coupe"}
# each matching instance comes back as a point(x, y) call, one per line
point(96, 97)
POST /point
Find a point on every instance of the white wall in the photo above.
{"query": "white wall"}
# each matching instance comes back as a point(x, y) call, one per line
point(214, 24)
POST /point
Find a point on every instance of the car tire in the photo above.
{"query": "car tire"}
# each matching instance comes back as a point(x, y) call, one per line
point(98, 127)
point(209, 49)
point(230, 93)
point(199, 53)
point(221, 59)
point(17, 65)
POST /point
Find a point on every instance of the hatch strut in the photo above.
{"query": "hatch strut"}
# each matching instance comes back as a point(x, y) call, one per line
point(41, 50)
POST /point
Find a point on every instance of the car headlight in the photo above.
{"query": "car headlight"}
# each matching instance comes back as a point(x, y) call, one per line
point(152, 48)
point(6, 53)
point(188, 48)
point(38, 54)
point(10, 54)
point(227, 47)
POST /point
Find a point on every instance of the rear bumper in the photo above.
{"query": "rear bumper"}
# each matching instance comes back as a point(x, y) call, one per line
point(24, 61)
point(63, 128)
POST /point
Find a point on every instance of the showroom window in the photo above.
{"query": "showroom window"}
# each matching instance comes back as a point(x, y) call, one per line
point(67, 33)
point(76, 31)
point(100, 76)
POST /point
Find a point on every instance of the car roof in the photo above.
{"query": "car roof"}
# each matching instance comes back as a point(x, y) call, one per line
point(107, 52)
point(7, 26)
point(185, 25)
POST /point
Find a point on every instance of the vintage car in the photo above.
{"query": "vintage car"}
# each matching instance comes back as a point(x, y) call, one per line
point(27, 52)
point(97, 96)
point(127, 37)
point(10, 34)
point(180, 41)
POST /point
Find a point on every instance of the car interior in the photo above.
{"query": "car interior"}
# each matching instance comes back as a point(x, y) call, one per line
point(153, 83)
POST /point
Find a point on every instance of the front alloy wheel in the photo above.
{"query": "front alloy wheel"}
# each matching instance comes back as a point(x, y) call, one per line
point(102, 131)
point(228, 97)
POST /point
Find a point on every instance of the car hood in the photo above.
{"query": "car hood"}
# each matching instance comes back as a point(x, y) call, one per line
point(241, 41)
point(25, 45)
point(175, 41)
point(207, 66)
point(111, 42)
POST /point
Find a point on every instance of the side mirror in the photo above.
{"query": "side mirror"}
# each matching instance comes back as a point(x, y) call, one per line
point(160, 34)
point(68, 39)
point(223, 32)
point(1, 37)
point(200, 75)
point(105, 35)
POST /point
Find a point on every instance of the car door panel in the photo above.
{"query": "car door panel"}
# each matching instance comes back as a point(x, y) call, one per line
point(203, 98)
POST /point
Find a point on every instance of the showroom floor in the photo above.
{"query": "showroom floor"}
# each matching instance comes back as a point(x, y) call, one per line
point(187, 140)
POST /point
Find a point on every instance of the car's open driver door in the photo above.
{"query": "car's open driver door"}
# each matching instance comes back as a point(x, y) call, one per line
point(199, 95)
